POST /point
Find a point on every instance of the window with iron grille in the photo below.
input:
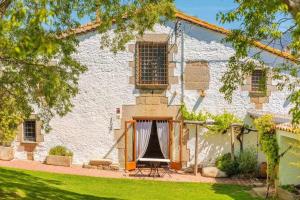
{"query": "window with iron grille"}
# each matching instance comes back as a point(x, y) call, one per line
point(29, 130)
point(152, 69)
point(258, 82)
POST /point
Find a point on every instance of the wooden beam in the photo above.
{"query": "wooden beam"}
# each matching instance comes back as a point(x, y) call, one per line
point(232, 142)
point(196, 152)
point(194, 122)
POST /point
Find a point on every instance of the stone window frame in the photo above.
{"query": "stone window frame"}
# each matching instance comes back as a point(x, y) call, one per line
point(29, 132)
point(257, 97)
point(138, 73)
point(259, 92)
point(38, 131)
point(172, 50)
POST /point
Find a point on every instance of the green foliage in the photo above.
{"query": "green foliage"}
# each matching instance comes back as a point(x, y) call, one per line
point(223, 122)
point(290, 188)
point(60, 151)
point(247, 162)
point(268, 142)
point(37, 72)
point(192, 115)
point(271, 22)
point(224, 163)
point(9, 121)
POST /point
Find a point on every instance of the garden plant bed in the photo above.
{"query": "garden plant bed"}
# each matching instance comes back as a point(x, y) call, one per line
point(59, 160)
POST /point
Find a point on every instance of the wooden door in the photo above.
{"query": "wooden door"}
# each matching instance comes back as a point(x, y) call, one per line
point(175, 144)
point(130, 145)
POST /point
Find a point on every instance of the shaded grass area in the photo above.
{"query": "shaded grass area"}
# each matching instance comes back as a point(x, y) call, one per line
point(23, 184)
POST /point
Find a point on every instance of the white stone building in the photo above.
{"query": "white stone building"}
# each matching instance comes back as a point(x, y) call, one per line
point(146, 84)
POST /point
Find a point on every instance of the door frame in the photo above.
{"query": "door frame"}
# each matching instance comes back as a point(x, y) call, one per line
point(130, 165)
point(175, 165)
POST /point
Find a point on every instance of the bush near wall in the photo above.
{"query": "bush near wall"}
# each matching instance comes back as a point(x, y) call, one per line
point(60, 151)
point(245, 164)
point(225, 164)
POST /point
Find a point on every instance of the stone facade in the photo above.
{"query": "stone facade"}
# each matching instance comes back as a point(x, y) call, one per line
point(95, 127)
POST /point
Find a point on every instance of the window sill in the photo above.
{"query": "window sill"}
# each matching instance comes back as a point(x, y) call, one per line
point(257, 94)
point(153, 87)
point(29, 142)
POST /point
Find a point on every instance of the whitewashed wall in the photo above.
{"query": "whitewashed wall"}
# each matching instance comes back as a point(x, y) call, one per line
point(88, 129)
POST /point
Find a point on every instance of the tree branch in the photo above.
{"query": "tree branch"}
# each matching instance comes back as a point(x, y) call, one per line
point(293, 5)
point(3, 6)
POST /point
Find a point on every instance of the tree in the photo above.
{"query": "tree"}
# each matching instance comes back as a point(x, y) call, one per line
point(270, 21)
point(37, 71)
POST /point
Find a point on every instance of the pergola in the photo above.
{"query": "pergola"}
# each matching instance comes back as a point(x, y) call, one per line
point(207, 123)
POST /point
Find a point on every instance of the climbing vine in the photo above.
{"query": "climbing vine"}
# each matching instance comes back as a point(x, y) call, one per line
point(186, 115)
point(221, 124)
point(268, 143)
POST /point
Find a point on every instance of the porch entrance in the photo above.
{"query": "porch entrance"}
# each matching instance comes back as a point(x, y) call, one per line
point(153, 138)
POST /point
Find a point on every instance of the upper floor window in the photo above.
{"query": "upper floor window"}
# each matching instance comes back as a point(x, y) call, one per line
point(152, 69)
point(29, 130)
point(258, 81)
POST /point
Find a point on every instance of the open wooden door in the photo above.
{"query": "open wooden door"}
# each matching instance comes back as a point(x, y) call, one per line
point(130, 141)
point(175, 144)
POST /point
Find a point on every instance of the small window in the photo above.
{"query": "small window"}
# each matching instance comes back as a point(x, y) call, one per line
point(152, 67)
point(30, 130)
point(258, 81)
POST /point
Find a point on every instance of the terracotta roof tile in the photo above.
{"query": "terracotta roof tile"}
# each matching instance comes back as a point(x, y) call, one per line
point(93, 26)
point(288, 128)
point(215, 28)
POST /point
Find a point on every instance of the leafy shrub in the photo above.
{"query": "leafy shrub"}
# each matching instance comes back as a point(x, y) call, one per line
point(290, 188)
point(224, 163)
point(223, 122)
point(247, 162)
point(192, 115)
point(60, 151)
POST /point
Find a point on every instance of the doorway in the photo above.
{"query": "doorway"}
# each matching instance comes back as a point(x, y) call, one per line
point(153, 138)
point(153, 149)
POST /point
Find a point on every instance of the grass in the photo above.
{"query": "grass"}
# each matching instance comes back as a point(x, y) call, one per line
point(23, 184)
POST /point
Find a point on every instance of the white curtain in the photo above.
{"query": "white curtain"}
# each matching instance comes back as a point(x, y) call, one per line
point(143, 132)
point(163, 137)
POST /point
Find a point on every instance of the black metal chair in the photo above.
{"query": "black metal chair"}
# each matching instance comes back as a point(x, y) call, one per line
point(139, 167)
point(167, 169)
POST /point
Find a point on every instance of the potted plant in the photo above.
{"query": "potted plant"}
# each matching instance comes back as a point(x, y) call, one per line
point(60, 156)
point(6, 149)
point(6, 152)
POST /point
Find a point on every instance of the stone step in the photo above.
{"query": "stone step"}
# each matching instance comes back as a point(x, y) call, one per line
point(213, 172)
point(114, 167)
point(100, 162)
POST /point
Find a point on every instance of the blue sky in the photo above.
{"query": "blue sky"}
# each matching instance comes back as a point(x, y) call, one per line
point(207, 9)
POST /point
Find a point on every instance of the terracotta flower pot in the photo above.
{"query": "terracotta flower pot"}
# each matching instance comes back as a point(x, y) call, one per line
point(6, 153)
point(263, 170)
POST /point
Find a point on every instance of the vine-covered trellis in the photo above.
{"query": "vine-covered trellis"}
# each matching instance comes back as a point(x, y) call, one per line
point(223, 123)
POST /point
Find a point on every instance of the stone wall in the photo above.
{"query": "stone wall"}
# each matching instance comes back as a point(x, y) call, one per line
point(93, 129)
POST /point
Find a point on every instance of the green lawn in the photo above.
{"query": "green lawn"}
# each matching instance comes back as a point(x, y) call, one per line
point(21, 184)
